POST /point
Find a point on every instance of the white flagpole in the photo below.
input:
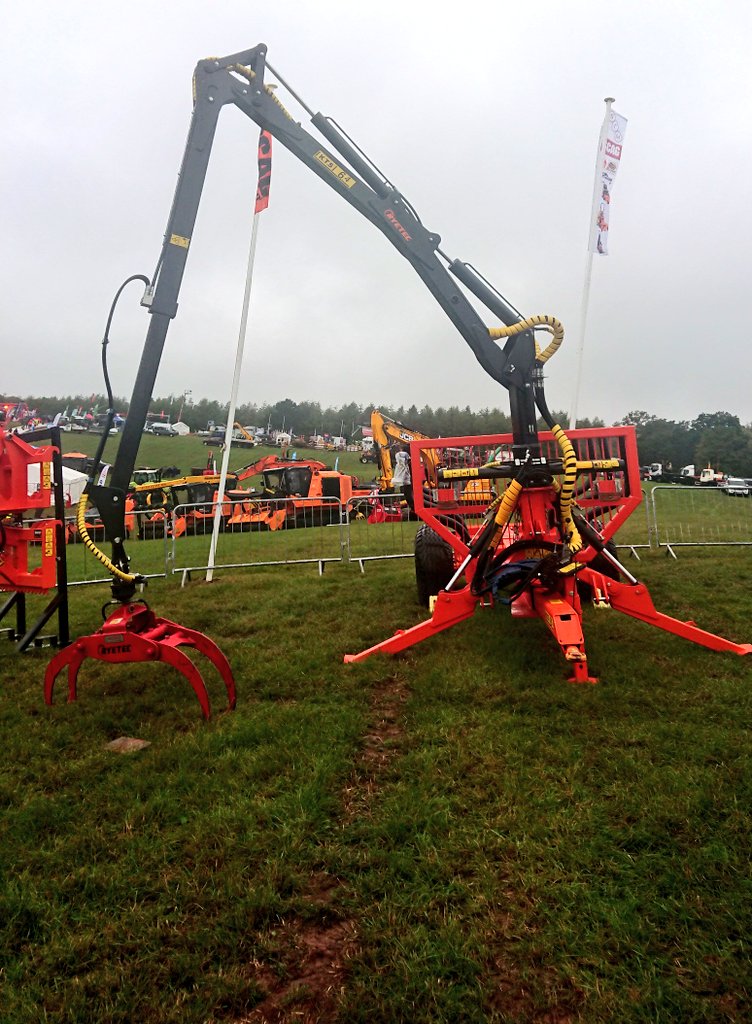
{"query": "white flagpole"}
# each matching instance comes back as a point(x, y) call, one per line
point(233, 401)
point(588, 268)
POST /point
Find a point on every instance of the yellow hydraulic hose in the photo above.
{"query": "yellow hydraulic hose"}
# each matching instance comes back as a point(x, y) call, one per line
point(544, 323)
point(568, 454)
point(506, 506)
point(599, 464)
point(566, 493)
point(100, 555)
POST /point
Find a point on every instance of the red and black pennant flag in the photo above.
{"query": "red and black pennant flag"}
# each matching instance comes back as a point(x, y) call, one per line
point(264, 171)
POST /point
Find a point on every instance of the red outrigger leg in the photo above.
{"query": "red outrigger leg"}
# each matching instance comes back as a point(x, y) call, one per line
point(561, 612)
point(134, 633)
point(455, 606)
point(449, 609)
point(635, 601)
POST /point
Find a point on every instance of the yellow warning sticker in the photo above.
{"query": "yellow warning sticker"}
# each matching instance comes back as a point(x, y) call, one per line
point(335, 169)
point(180, 240)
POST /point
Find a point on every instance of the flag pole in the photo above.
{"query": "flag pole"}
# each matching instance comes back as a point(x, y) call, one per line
point(262, 201)
point(588, 268)
point(233, 402)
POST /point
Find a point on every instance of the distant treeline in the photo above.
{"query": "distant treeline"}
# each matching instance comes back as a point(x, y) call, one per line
point(300, 418)
point(717, 439)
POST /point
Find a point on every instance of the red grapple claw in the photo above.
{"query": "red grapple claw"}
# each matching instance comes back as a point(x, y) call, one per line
point(134, 633)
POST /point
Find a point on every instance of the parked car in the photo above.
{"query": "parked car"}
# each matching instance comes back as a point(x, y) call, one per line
point(735, 487)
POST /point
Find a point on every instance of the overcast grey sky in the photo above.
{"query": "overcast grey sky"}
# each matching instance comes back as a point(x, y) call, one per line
point(485, 115)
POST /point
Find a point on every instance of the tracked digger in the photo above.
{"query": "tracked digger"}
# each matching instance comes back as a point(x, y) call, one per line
point(391, 436)
point(293, 492)
point(557, 498)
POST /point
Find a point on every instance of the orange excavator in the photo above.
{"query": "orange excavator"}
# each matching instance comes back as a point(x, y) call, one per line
point(390, 437)
point(311, 491)
point(294, 492)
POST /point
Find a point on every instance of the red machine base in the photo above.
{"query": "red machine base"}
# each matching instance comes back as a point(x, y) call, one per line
point(134, 633)
point(561, 613)
point(608, 491)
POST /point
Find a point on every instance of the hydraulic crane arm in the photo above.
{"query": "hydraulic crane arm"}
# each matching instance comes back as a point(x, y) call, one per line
point(239, 79)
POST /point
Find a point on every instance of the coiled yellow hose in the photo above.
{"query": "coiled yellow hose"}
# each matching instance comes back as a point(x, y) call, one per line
point(507, 503)
point(568, 455)
point(109, 565)
point(544, 323)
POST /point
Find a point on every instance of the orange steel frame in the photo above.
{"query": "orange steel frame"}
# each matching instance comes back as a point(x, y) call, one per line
point(612, 499)
point(32, 555)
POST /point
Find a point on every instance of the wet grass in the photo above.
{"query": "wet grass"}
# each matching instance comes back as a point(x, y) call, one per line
point(519, 850)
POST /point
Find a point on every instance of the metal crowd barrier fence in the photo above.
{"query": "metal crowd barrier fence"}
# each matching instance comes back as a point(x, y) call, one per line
point(283, 531)
point(377, 528)
point(150, 560)
point(637, 532)
point(699, 516)
point(268, 531)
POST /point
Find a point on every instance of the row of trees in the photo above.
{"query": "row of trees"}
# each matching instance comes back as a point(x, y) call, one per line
point(717, 439)
point(301, 418)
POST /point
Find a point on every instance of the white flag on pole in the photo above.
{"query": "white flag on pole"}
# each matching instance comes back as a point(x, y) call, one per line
point(609, 155)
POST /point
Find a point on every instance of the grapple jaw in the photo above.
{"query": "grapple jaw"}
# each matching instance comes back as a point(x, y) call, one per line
point(133, 633)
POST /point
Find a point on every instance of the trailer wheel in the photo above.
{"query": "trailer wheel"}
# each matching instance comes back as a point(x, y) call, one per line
point(434, 563)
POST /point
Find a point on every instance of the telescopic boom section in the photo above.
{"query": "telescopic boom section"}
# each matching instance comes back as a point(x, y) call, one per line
point(240, 79)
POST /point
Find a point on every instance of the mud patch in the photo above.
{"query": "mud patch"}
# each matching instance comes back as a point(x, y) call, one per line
point(304, 976)
point(513, 1000)
point(382, 743)
point(308, 984)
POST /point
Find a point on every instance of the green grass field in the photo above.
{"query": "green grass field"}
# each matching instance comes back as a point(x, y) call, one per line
point(452, 834)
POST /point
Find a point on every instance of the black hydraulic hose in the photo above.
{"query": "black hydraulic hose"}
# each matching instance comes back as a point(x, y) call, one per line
point(116, 571)
point(540, 398)
point(492, 564)
point(97, 463)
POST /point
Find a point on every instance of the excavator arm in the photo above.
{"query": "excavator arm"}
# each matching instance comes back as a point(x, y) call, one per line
point(241, 80)
point(388, 434)
point(271, 462)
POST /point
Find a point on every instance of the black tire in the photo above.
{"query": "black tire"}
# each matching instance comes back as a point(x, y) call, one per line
point(434, 563)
